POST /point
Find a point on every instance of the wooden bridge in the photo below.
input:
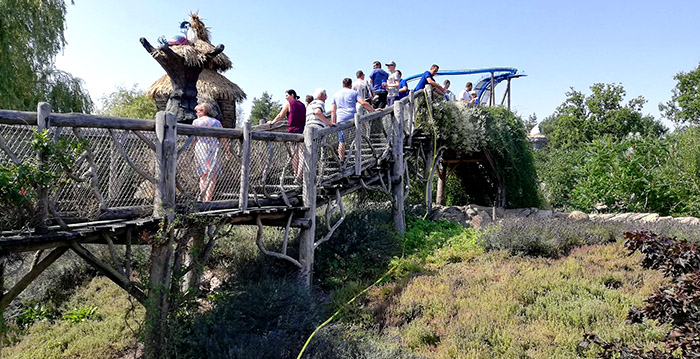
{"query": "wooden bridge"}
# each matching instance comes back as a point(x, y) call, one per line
point(136, 183)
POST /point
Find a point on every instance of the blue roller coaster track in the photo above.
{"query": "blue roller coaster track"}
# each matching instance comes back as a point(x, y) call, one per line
point(483, 87)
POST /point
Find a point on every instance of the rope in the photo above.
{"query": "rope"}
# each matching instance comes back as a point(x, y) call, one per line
point(337, 312)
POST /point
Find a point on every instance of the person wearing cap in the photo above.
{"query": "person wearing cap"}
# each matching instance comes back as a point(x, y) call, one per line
point(378, 79)
point(392, 83)
point(344, 109)
point(295, 112)
point(316, 112)
point(427, 79)
point(474, 100)
point(465, 95)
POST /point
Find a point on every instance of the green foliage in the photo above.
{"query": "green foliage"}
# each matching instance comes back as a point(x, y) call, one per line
point(35, 313)
point(108, 337)
point(622, 175)
point(31, 35)
point(514, 161)
point(129, 103)
point(264, 109)
point(582, 119)
point(81, 314)
point(632, 174)
point(494, 130)
point(20, 183)
point(424, 237)
point(682, 172)
point(684, 106)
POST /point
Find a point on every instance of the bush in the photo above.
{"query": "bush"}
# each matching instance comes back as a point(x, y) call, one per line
point(550, 238)
point(632, 174)
point(268, 319)
point(494, 130)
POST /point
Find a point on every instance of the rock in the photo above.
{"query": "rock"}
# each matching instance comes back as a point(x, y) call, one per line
point(577, 216)
point(652, 217)
point(544, 213)
point(688, 220)
point(637, 216)
point(453, 214)
point(620, 217)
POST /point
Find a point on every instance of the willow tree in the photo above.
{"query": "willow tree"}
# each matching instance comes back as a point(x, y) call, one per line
point(31, 34)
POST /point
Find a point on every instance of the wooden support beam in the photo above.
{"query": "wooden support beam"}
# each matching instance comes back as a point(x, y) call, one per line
point(43, 112)
point(307, 236)
point(29, 277)
point(130, 287)
point(162, 251)
point(397, 185)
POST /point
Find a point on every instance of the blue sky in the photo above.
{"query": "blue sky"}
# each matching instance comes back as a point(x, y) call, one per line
point(276, 45)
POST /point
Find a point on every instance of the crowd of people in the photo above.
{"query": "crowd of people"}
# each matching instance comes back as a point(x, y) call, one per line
point(382, 89)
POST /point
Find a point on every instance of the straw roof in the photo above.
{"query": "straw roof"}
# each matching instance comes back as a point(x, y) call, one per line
point(211, 84)
point(194, 55)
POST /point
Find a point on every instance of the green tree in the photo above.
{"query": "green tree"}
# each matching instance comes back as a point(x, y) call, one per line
point(130, 103)
point(31, 34)
point(684, 106)
point(264, 109)
point(581, 119)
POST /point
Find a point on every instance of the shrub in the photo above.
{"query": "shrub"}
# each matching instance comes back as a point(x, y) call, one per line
point(494, 130)
point(267, 319)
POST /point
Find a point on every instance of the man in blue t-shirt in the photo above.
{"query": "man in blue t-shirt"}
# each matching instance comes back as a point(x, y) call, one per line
point(403, 86)
point(378, 79)
point(427, 79)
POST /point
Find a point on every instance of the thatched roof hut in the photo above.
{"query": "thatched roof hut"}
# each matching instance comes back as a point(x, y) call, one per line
point(212, 87)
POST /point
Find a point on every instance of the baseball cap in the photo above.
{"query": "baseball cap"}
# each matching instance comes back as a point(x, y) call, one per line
point(391, 63)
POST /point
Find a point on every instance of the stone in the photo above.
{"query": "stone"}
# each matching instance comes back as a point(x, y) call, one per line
point(544, 213)
point(652, 217)
point(453, 214)
point(577, 216)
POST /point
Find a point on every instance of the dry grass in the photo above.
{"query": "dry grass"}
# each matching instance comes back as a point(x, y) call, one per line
point(498, 306)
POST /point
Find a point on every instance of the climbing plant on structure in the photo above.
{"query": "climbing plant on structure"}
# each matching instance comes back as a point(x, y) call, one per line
point(493, 137)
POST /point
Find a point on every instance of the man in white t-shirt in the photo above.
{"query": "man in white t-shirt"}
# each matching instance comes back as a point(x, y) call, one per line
point(392, 83)
point(464, 95)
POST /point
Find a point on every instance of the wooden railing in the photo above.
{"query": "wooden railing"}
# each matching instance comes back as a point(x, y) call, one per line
point(121, 173)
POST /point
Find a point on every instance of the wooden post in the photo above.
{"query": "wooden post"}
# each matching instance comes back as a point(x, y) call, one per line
point(358, 145)
point(442, 178)
point(162, 251)
point(307, 235)
point(2, 294)
point(42, 203)
point(397, 178)
point(412, 116)
point(245, 167)
point(430, 156)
